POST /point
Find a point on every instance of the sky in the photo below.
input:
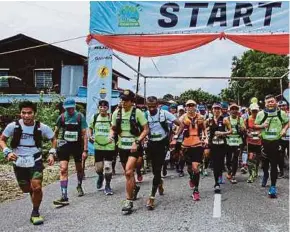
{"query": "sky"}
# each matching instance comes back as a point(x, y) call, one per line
point(55, 21)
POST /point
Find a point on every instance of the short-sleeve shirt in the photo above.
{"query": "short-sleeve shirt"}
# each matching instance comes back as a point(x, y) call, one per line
point(126, 139)
point(157, 132)
point(272, 133)
point(72, 119)
point(102, 133)
point(235, 139)
point(27, 144)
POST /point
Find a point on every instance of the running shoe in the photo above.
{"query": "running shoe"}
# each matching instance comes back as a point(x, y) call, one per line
point(191, 184)
point(217, 188)
point(108, 191)
point(205, 173)
point(164, 172)
point(128, 206)
point(150, 203)
point(100, 182)
point(250, 179)
point(272, 192)
point(135, 192)
point(181, 174)
point(264, 181)
point(281, 175)
point(161, 188)
point(244, 169)
point(80, 191)
point(61, 202)
point(233, 180)
point(36, 220)
point(195, 195)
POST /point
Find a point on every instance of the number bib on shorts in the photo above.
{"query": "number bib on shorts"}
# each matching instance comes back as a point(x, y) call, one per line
point(25, 161)
point(126, 143)
point(71, 136)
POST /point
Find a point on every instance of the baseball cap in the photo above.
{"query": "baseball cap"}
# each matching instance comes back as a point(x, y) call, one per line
point(224, 105)
point(127, 95)
point(217, 105)
point(103, 103)
point(190, 102)
point(282, 103)
point(234, 105)
point(173, 106)
point(69, 103)
point(180, 107)
point(165, 107)
point(254, 106)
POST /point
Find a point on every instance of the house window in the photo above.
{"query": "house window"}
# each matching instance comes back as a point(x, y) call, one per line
point(4, 81)
point(43, 78)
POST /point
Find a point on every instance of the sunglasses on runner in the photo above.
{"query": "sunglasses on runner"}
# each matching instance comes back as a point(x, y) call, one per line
point(191, 105)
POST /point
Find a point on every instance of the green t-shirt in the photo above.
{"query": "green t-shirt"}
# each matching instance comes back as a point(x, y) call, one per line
point(102, 133)
point(235, 139)
point(126, 139)
point(272, 133)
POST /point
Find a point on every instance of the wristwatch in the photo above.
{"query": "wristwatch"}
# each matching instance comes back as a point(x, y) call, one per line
point(137, 142)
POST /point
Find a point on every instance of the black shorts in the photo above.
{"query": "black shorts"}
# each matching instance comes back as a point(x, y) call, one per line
point(25, 175)
point(157, 148)
point(254, 148)
point(101, 155)
point(70, 149)
point(193, 154)
point(178, 146)
point(124, 154)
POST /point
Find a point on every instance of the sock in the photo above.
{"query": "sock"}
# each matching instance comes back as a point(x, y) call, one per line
point(80, 178)
point(35, 211)
point(63, 187)
point(195, 179)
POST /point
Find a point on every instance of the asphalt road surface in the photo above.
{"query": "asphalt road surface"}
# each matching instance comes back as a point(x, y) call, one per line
point(241, 207)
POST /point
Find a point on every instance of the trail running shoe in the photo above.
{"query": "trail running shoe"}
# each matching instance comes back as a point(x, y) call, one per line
point(108, 191)
point(135, 192)
point(80, 191)
point(250, 179)
point(191, 184)
point(217, 188)
point(181, 174)
point(61, 202)
point(264, 181)
point(161, 189)
point(233, 180)
point(36, 220)
point(150, 203)
point(272, 192)
point(164, 172)
point(221, 180)
point(128, 206)
point(281, 175)
point(100, 182)
point(195, 196)
point(244, 169)
point(205, 173)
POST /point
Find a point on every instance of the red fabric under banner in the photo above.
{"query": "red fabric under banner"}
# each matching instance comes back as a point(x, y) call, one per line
point(161, 45)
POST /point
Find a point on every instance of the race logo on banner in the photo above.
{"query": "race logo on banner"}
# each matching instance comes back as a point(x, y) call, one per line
point(99, 76)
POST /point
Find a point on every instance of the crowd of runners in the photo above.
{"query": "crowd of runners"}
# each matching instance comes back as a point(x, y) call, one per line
point(199, 137)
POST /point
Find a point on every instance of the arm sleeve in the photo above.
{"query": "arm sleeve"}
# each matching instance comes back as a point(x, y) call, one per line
point(169, 116)
point(8, 131)
point(47, 132)
point(114, 118)
point(141, 117)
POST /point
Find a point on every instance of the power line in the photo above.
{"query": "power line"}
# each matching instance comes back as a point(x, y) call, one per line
point(42, 45)
point(155, 66)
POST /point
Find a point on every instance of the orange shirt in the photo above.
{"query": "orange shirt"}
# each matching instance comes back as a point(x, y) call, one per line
point(255, 140)
point(191, 130)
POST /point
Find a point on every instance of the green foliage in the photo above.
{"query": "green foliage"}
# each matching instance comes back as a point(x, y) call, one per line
point(198, 95)
point(256, 64)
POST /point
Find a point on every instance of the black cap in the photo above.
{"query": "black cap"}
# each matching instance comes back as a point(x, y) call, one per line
point(127, 95)
point(103, 103)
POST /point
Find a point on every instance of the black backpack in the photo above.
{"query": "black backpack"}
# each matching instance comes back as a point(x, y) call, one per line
point(96, 117)
point(64, 127)
point(135, 127)
point(163, 124)
point(17, 134)
point(266, 115)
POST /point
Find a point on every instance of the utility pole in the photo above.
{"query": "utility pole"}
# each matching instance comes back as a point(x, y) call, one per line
point(138, 75)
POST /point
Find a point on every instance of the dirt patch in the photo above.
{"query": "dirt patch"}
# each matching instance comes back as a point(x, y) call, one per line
point(9, 189)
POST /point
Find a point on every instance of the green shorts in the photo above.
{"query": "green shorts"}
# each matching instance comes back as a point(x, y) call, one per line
point(25, 175)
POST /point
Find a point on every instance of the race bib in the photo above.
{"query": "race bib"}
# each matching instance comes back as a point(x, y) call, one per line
point(25, 162)
point(71, 136)
point(126, 143)
point(271, 134)
point(217, 140)
point(102, 130)
point(255, 135)
point(234, 141)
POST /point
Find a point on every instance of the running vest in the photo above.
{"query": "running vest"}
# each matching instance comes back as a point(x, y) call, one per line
point(17, 134)
point(158, 135)
point(102, 131)
point(192, 131)
point(235, 139)
point(255, 139)
point(135, 127)
point(213, 127)
point(72, 132)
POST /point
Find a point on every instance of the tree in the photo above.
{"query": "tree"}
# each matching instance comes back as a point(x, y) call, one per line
point(197, 95)
point(256, 64)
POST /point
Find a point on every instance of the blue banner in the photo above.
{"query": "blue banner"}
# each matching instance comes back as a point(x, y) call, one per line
point(99, 76)
point(113, 17)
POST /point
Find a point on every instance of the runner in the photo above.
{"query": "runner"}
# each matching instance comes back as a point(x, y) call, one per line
point(253, 143)
point(234, 142)
point(274, 124)
point(284, 143)
point(26, 154)
point(194, 134)
point(158, 143)
point(73, 142)
point(104, 146)
point(218, 126)
point(131, 126)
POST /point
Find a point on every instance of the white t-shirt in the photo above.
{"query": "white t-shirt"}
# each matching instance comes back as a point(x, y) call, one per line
point(27, 137)
point(156, 130)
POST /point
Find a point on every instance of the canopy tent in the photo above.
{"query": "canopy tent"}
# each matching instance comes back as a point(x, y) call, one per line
point(150, 29)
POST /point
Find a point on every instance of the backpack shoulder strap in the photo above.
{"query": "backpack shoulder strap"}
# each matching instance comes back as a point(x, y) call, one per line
point(133, 114)
point(279, 114)
point(264, 118)
point(95, 119)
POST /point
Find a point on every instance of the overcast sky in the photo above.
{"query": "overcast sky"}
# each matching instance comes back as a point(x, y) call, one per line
point(54, 21)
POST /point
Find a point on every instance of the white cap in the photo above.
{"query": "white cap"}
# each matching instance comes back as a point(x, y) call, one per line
point(180, 107)
point(254, 106)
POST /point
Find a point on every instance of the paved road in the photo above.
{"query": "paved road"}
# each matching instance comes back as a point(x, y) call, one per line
point(244, 207)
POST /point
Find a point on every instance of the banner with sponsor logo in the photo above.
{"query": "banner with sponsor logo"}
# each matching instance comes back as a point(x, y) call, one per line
point(99, 76)
point(157, 17)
